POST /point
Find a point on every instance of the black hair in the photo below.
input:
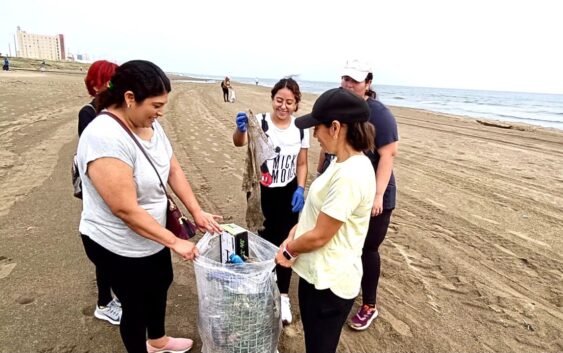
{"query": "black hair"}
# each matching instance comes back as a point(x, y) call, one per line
point(360, 135)
point(141, 77)
point(291, 85)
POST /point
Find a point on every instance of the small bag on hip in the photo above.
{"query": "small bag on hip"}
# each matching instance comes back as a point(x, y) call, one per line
point(177, 223)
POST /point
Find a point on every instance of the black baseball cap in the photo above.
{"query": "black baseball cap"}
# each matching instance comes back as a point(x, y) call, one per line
point(335, 104)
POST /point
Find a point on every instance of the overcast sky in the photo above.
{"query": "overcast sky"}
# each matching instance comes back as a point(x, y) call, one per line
point(482, 44)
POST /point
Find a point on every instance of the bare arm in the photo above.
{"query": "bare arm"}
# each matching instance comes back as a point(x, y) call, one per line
point(182, 188)
point(324, 230)
point(302, 167)
point(239, 138)
point(113, 179)
point(387, 155)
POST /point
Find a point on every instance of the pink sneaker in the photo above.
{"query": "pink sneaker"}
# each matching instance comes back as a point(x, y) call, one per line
point(174, 345)
point(363, 318)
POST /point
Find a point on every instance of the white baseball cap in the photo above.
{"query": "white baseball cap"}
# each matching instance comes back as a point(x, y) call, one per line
point(357, 69)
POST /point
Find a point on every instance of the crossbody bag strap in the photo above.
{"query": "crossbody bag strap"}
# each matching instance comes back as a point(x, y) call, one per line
point(140, 147)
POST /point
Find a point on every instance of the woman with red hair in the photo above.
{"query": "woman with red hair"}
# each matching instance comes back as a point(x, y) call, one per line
point(108, 308)
point(96, 80)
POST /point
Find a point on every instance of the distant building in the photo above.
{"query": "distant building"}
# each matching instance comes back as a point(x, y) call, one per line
point(39, 46)
point(79, 57)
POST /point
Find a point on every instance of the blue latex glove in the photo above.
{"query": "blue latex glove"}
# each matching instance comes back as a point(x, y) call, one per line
point(298, 199)
point(242, 121)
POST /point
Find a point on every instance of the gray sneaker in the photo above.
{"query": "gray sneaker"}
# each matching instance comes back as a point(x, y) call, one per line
point(110, 313)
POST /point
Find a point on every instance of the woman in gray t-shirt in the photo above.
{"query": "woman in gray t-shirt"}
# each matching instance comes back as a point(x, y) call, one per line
point(124, 205)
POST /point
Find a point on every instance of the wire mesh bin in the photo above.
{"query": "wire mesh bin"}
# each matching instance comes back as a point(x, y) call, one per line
point(239, 304)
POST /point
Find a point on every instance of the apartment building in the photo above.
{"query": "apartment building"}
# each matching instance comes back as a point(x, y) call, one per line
point(39, 46)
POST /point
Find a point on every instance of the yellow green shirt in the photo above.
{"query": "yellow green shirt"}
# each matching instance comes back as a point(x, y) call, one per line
point(345, 191)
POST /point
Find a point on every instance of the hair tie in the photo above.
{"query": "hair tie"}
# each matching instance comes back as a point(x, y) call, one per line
point(110, 85)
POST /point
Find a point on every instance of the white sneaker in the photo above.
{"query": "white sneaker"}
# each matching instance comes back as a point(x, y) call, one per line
point(110, 313)
point(286, 310)
point(115, 302)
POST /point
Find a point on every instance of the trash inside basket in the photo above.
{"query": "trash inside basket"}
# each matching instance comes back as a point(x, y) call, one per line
point(239, 304)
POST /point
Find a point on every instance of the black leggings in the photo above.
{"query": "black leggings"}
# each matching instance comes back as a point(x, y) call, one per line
point(323, 314)
point(141, 284)
point(225, 94)
point(370, 256)
point(102, 275)
point(278, 221)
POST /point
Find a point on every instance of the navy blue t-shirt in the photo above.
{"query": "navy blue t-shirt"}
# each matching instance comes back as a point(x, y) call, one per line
point(85, 116)
point(385, 133)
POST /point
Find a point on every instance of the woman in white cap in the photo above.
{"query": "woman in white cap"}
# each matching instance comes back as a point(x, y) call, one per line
point(325, 247)
point(357, 77)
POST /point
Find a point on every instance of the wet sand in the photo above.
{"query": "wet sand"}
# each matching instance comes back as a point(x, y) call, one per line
point(472, 261)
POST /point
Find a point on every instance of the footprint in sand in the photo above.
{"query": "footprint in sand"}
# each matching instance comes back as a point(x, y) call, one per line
point(88, 310)
point(25, 299)
point(6, 266)
point(398, 325)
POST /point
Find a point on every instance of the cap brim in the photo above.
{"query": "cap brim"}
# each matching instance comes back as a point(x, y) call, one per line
point(306, 121)
point(357, 75)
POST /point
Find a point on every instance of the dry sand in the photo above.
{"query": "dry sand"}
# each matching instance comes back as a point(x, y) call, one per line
point(472, 262)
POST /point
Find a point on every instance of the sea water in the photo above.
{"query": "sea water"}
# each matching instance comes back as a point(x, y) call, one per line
point(541, 109)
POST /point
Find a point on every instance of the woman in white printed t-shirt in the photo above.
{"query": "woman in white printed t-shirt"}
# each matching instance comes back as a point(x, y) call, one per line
point(283, 179)
point(325, 247)
point(124, 204)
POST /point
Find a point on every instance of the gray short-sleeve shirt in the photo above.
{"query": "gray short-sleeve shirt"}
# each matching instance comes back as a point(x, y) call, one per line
point(104, 137)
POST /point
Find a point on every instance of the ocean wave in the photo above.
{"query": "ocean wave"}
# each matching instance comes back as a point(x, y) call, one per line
point(536, 109)
point(529, 120)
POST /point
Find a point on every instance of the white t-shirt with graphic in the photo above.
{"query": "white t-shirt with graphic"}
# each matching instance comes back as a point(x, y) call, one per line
point(287, 143)
point(345, 191)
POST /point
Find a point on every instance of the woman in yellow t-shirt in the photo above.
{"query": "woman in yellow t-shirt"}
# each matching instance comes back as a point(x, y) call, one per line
point(325, 247)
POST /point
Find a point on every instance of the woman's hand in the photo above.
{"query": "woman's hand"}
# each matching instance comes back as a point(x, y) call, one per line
point(208, 222)
point(377, 207)
point(280, 258)
point(186, 249)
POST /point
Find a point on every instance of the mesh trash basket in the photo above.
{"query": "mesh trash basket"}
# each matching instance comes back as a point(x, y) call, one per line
point(239, 304)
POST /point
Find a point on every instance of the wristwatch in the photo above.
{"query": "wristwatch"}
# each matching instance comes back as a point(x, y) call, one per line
point(287, 254)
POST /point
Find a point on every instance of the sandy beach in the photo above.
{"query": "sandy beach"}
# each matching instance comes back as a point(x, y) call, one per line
point(472, 262)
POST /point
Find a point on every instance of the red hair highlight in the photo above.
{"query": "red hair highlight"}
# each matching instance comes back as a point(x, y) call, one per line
point(99, 73)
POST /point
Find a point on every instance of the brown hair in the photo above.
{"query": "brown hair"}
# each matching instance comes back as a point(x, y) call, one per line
point(369, 92)
point(361, 136)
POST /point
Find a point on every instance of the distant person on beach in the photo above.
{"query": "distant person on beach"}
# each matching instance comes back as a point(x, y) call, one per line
point(324, 247)
point(6, 65)
point(108, 308)
point(225, 85)
point(357, 77)
point(232, 95)
point(283, 180)
point(124, 205)
point(96, 81)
